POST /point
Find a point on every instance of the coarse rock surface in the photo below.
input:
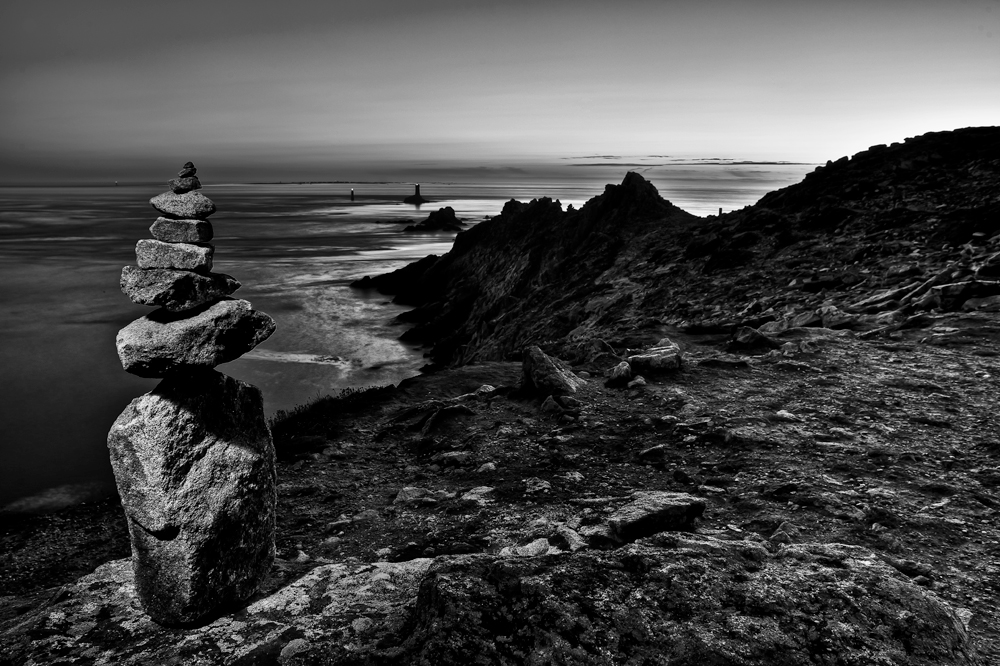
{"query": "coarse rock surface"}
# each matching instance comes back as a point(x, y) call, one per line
point(664, 356)
point(547, 376)
point(183, 206)
point(164, 341)
point(442, 219)
point(150, 253)
point(194, 463)
point(684, 599)
point(175, 291)
point(650, 512)
point(864, 454)
point(185, 184)
point(181, 231)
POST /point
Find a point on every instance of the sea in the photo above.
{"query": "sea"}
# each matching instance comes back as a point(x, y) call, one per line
point(295, 247)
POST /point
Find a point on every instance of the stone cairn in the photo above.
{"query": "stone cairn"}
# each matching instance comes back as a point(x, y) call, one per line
point(193, 458)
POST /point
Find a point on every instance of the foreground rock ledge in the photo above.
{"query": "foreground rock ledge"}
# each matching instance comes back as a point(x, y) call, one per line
point(677, 599)
point(195, 468)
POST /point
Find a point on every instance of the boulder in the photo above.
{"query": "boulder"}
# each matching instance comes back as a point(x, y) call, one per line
point(183, 206)
point(185, 184)
point(665, 356)
point(620, 375)
point(175, 291)
point(194, 463)
point(163, 341)
point(655, 511)
point(151, 253)
point(747, 338)
point(181, 231)
point(545, 375)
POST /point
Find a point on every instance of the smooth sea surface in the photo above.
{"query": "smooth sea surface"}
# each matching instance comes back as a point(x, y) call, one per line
point(294, 247)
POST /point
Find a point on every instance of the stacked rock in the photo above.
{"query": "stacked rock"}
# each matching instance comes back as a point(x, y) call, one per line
point(193, 458)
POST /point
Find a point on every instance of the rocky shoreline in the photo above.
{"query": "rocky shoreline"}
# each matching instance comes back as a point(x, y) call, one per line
point(764, 437)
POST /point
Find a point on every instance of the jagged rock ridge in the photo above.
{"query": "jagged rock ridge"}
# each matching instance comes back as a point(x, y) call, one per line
point(629, 267)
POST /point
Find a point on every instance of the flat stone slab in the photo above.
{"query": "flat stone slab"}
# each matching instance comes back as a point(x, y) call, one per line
point(195, 468)
point(183, 206)
point(655, 511)
point(170, 230)
point(150, 253)
point(665, 356)
point(173, 290)
point(163, 341)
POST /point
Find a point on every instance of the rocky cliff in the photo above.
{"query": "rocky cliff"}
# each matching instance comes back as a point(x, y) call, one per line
point(762, 438)
point(629, 267)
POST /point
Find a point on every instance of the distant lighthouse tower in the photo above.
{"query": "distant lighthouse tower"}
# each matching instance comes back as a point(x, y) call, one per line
point(415, 198)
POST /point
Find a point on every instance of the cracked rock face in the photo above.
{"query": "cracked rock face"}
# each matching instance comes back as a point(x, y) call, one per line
point(183, 206)
point(175, 290)
point(181, 231)
point(150, 253)
point(194, 463)
point(162, 341)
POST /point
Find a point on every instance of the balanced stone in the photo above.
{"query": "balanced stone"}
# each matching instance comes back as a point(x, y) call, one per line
point(183, 206)
point(169, 230)
point(194, 464)
point(187, 170)
point(186, 184)
point(151, 253)
point(163, 341)
point(174, 290)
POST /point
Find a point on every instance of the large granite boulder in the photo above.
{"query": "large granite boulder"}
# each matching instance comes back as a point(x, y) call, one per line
point(195, 468)
point(183, 206)
point(150, 253)
point(162, 341)
point(175, 291)
point(170, 230)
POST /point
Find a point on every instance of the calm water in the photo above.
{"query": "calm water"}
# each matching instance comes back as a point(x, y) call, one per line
point(295, 248)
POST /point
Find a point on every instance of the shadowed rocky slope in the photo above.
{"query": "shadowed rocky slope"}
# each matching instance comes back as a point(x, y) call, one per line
point(629, 266)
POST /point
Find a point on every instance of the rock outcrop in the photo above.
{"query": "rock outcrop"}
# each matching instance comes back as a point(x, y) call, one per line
point(193, 459)
point(804, 472)
point(914, 226)
point(442, 219)
point(679, 599)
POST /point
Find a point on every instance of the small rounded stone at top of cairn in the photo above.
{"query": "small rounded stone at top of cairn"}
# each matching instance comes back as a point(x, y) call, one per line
point(193, 459)
point(186, 180)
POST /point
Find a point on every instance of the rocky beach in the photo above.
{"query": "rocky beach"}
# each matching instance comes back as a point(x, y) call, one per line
point(645, 437)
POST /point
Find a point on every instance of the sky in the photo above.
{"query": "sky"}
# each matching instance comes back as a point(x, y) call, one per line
point(385, 89)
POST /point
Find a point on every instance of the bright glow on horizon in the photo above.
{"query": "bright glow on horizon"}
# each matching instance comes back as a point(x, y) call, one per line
point(314, 91)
